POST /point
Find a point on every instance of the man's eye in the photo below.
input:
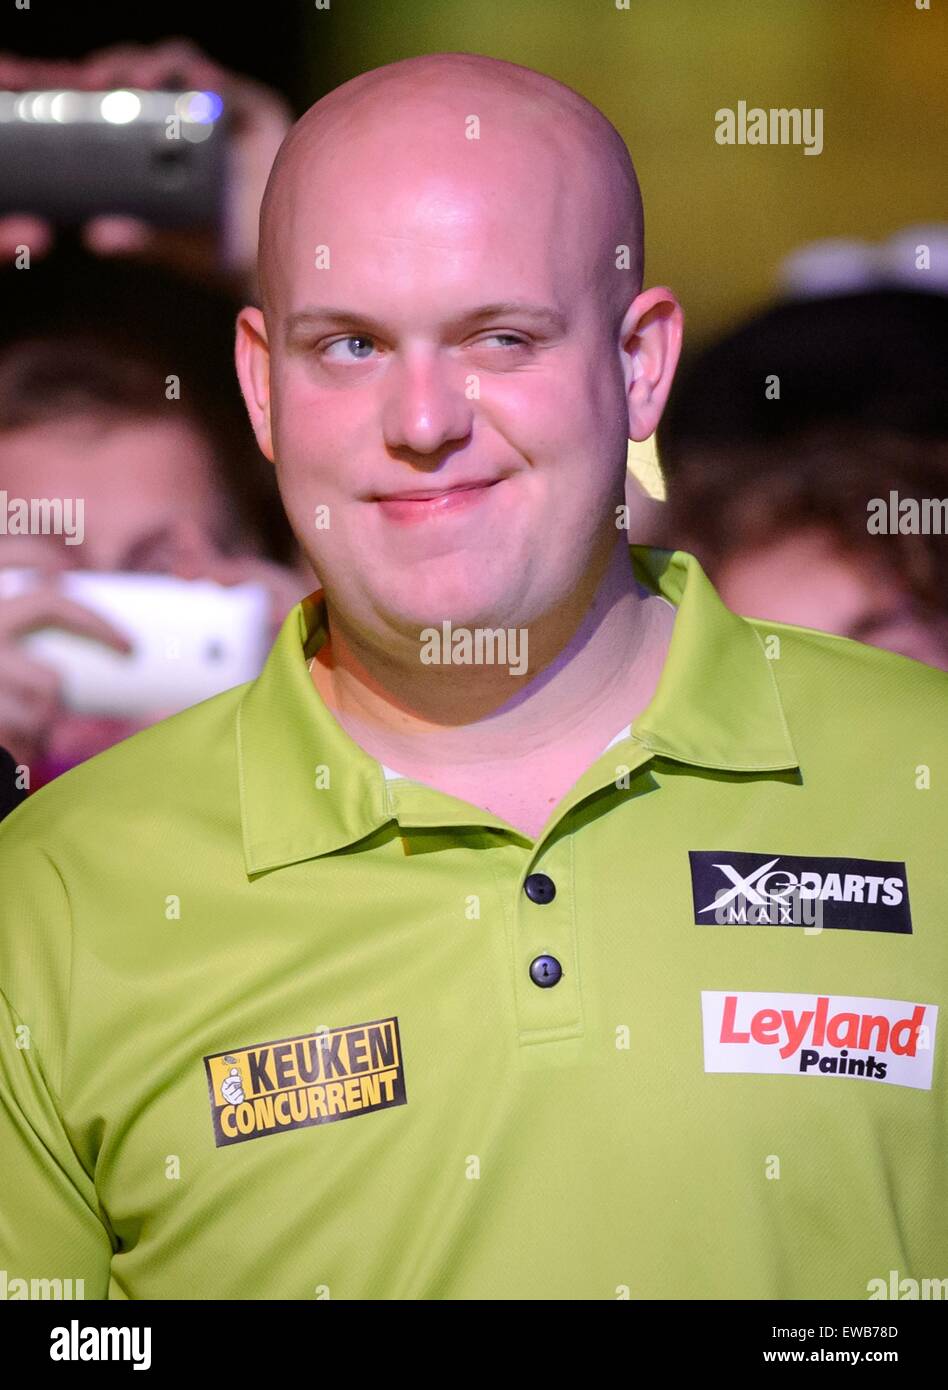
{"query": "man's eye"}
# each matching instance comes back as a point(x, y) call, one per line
point(344, 342)
point(358, 347)
point(512, 339)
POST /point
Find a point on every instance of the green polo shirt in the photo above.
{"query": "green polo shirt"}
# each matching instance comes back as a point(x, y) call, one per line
point(279, 1025)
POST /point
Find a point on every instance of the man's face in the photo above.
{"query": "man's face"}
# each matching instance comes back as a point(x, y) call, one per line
point(419, 384)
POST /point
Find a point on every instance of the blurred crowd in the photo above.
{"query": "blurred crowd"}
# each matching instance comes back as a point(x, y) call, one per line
point(778, 439)
point(806, 461)
point(117, 386)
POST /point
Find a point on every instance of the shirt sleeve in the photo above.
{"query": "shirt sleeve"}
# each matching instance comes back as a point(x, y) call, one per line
point(52, 1227)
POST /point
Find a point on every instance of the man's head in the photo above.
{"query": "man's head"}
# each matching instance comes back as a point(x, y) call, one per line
point(409, 201)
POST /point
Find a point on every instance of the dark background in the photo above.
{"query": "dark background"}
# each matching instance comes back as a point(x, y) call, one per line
point(265, 42)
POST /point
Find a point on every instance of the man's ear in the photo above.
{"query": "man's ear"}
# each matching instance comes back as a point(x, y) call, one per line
point(650, 342)
point(252, 359)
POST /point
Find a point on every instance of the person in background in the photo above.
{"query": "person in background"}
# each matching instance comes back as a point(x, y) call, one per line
point(788, 531)
point(778, 434)
point(175, 489)
point(172, 486)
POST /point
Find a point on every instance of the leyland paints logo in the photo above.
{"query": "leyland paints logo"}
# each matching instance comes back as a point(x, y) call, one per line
point(310, 1080)
point(887, 1040)
point(738, 889)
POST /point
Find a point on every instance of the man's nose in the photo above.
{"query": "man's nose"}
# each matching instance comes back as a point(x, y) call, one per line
point(427, 403)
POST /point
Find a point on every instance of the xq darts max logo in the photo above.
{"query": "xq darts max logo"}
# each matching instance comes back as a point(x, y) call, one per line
point(740, 889)
point(333, 1074)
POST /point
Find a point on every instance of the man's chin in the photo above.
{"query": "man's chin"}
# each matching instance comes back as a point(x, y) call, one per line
point(417, 624)
point(481, 599)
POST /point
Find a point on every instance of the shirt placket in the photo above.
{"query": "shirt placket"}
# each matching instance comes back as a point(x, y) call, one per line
point(547, 990)
point(547, 939)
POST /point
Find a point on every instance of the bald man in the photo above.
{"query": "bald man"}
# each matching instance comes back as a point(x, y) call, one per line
point(468, 444)
point(533, 927)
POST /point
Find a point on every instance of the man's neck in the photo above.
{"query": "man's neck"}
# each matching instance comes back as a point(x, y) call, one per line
point(460, 722)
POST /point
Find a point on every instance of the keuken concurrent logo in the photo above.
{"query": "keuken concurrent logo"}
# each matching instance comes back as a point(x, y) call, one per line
point(312, 1079)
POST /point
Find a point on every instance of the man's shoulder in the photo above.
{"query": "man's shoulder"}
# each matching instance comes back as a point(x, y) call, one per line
point(165, 764)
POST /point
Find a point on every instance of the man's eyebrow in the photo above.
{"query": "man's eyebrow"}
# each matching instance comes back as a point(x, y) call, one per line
point(314, 316)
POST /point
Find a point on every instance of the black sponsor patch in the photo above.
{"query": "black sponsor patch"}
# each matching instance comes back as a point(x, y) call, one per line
point(308, 1080)
point(732, 888)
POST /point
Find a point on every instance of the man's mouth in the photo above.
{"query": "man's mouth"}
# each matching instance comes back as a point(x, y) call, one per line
point(426, 503)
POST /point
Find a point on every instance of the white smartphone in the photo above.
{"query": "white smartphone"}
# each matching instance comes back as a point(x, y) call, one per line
point(192, 639)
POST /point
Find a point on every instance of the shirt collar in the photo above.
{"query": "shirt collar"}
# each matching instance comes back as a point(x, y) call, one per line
point(306, 788)
point(717, 704)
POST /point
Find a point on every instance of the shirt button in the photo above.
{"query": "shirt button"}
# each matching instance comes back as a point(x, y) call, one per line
point(545, 971)
point(539, 888)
